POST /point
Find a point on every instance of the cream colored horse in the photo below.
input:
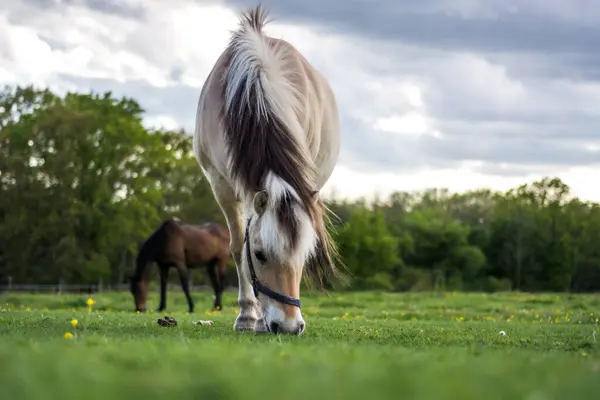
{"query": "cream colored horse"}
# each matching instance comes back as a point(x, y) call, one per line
point(267, 139)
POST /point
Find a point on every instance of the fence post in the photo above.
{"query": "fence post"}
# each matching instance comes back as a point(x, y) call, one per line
point(9, 282)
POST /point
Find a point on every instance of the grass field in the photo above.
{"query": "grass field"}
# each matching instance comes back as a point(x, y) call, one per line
point(356, 346)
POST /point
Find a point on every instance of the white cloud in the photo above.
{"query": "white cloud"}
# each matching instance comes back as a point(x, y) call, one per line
point(352, 183)
point(189, 37)
point(412, 123)
point(162, 122)
point(404, 95)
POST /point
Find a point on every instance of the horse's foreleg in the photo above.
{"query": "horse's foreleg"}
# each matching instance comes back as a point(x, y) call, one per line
point(164, 278)
point(249, 315)
point(185, 285)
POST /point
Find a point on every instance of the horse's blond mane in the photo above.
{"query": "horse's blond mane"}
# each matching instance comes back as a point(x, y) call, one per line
point(263, 141)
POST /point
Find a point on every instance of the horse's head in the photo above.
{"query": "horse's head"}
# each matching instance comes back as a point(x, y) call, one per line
point(281, 237)
point(139, 290)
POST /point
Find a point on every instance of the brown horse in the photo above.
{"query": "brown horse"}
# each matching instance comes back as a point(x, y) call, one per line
point(183, 247)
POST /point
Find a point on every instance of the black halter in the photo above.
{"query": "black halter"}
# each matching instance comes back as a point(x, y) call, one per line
point(259, 287)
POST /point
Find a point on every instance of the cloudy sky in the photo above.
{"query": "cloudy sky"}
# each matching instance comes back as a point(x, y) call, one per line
point(432, 93)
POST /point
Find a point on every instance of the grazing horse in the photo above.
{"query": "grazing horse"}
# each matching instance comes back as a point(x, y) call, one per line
point(267, 140)
point(183, 247)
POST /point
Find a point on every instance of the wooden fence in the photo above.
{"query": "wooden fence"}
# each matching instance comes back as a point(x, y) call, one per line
point(96, 288)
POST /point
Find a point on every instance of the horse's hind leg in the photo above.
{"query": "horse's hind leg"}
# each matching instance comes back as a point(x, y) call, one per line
point(249, 315)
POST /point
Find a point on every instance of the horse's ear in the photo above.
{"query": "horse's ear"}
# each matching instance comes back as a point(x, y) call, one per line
point(260, 201)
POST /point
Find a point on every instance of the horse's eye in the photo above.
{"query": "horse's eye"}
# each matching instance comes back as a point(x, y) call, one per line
point(260, 256)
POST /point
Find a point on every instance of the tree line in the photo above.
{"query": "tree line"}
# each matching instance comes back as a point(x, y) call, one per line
point(83, 182)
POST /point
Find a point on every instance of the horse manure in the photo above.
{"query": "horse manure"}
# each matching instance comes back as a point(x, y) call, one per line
point(167, 321)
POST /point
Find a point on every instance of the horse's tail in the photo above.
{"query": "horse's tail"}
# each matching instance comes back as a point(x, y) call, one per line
point(263, 133)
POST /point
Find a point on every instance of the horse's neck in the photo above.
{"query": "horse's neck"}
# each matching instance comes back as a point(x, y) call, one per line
point(141, 270)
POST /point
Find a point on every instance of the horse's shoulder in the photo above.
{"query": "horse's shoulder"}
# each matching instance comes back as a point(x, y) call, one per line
point(172, 224)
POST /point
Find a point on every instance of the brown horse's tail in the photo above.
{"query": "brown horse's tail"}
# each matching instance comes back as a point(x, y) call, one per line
point(222, 234)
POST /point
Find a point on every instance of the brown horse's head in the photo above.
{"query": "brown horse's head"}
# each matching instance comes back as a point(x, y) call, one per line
point(139, 290)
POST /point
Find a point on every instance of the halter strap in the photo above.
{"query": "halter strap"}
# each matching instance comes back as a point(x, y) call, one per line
point(259, 287)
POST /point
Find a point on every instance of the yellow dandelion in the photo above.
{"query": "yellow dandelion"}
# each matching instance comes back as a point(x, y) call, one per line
point(68, 335)
point(90, 302)
point(74, 323)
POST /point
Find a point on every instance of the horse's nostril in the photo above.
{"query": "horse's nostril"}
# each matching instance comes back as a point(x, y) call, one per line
point(301, 327)
point(260, 256)
point(274, 327)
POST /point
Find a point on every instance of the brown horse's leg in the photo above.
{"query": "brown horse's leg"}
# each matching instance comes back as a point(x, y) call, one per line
point(164, 278)
point(222, 272)
point(185, 285)
point(216, 284)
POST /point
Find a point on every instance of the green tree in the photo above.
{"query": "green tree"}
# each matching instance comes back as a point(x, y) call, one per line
point(368, 249)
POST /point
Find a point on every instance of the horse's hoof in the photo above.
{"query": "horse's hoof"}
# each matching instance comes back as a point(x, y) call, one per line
point(261, 327)
point(245, 324)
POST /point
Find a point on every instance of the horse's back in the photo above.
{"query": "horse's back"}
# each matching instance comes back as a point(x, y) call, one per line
point(319, 116)
point(206, 242)
point(217, 230)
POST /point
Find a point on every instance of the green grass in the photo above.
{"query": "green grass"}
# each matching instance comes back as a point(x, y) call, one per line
point(357, 346)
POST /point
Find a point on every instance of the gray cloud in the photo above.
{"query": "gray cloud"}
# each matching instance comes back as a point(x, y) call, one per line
point(497, 25)
point(514, 85)
point(393, 152)
point(575, 66)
